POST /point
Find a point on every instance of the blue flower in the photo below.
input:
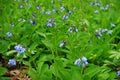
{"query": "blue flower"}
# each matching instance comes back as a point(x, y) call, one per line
point(11, 24)
point(110, 31)
point(9, 34)
point(92, 3)
point(20, 49)
point(99, 35)
point(65, 17)
point(77, 62)
point(112, 25)
point(48, 12)
point(104, 30)
point(62, 44)
point(21, 6)
point(84, 60)
point(33, 22)
point(38, 7)
point(118, 73)
point(12, 62)
point(50, 22)
point(83, 63)
point(55, 10)
point(70, 12)
point(71, 29)
point(103, 8)
point(96, 11)
point(76, 29)
point(62, 8)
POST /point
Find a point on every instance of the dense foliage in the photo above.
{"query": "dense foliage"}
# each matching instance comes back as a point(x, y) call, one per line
point(61, 39)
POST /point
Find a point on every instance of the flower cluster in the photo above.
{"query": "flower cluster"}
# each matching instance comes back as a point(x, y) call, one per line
point(105, 8)
point(100, 31)
point(12, 62)
point(19, 49)
point(73, 29)
point(83, 63)
point(51, 23)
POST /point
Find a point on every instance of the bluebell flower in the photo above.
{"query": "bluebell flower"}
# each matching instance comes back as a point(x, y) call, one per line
point(34, 15)
point(71, 29)
point(118, 73)
point(112, 25)
point(9, 34)
point(62, 44)
point(103, 8)
point(11, 24)
point(104, 30)
point(108, 6)
point(55, 10)
point(70, 12)
point(12, 62)
point(92, 3)
point(76, 29)
point(96, 11)
point(19, 49)
point(110, 31)
point(65, 17)
point(38, 7)
point(50, 22)
point(21, 6)
point(77, 62)
point(99, 35)
point(48, 12)
point(33, 22)
point(62, 8)
point(98, 30)
point(84, 60)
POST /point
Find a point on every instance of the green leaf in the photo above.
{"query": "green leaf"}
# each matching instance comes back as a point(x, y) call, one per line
point(103, 76)
point(33, 73)
point(41, 34)
point(92, 71)
point(2, 70)
point(10, 52)
point(112, 75)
